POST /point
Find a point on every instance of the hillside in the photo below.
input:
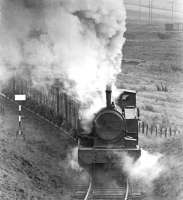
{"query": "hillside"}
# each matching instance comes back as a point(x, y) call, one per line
point(152, 65)
point(169, 184)
point(41, 167)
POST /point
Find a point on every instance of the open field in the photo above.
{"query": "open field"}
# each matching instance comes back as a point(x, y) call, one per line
point(153, 66)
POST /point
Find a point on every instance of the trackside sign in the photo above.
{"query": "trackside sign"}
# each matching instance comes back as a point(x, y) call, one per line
point(20, 97)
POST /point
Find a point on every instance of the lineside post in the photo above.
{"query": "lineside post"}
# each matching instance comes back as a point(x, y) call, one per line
point(20, 98)
point(147, 128)
point(170, 130)
point(143, 127)
point(156, 131)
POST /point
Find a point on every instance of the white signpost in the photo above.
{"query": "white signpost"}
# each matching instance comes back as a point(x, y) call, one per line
point(20, 98)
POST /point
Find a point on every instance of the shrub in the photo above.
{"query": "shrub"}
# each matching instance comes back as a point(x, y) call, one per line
point(162, 87)
point(149, 108)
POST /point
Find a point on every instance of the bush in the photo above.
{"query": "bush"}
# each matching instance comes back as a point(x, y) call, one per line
point(176, 68)
point(149, 108)
point(162, 87)
point(164, 36)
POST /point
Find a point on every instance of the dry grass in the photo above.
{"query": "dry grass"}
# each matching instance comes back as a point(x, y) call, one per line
point(158, 78)
point(169, 184)
point(36, 168)
point(159, 82)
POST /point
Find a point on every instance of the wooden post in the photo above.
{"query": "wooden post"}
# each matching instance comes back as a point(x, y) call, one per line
point(14, 85)
point(161, 132)
point(2, 105)
point(69, 112)
point(165, 132)
point(147, 129)
point(66, 107)
point(151, 129)
point(62, 104)
point(170, 131)
point(58, 100)
point(156, 131)
point(143, 127)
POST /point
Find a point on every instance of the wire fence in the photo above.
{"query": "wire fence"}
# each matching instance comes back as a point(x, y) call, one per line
point(157, 130)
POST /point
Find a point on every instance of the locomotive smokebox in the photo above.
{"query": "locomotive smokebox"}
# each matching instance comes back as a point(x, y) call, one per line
point(108, 96)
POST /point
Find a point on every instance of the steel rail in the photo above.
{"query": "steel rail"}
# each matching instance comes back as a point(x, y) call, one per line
point(89, 190)
point(127, 190)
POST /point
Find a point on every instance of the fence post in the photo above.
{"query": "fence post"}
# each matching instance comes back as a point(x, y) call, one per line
point(147, 129)
point(161, 131)
point(2, 108)
point(66, 108)
point(142, 127)
point(166, 132)
point(170, 131)
point(151, 129)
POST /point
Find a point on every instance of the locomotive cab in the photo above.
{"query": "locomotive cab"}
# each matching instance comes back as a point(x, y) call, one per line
point(127, 102)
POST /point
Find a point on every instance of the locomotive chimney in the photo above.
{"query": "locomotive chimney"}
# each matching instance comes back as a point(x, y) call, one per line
point(108, 96)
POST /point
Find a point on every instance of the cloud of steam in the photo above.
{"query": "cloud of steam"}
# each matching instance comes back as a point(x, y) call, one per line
point(78, 42)
point(146, 169)
point(72, 160)
point(72, 167)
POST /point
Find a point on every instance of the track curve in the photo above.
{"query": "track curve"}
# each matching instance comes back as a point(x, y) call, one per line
point(127, 190)
point(91, 192)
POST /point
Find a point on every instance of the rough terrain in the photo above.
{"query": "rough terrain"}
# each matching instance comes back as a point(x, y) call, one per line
point(41, 167)
point(153, 67)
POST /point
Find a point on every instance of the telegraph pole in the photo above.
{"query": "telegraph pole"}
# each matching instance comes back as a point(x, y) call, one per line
point(150, 12)
point(172, 9)
point(139, 11)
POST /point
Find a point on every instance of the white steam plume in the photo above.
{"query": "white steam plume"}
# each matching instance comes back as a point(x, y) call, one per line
point(72, 160)
point(147, 168)
point(76, 41)
point(72, 167)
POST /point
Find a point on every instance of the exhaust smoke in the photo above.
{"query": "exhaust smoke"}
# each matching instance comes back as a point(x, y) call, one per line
point(144, 171)
point(78, 42)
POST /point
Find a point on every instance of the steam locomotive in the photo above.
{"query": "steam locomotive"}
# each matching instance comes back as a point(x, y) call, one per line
point(115, 129)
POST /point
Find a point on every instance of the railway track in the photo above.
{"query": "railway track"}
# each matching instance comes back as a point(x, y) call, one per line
point(83, 192)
